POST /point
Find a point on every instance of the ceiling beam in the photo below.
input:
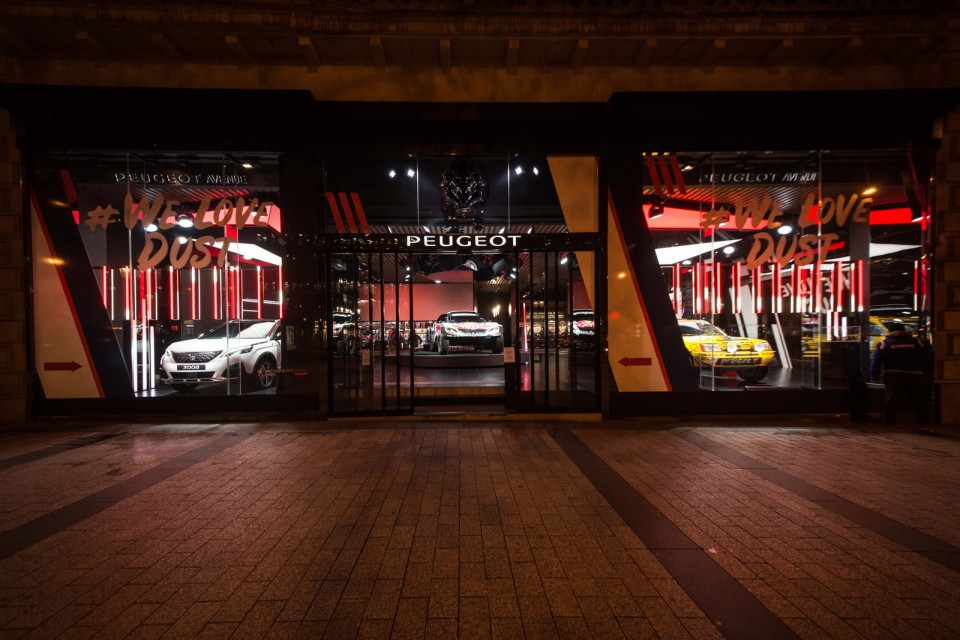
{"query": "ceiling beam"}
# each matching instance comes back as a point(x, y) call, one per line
point(579, 53)
point(780, 49)
point(309, 50)
point(848, 48)
point(11, 40)
point(163, 41)
point(376, 50)
point(237, 48)
point(446, 54)
point(92, 41)
point(646, 53)
point(513, 54)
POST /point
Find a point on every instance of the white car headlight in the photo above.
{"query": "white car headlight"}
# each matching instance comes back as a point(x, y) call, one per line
point(168, 355)
point(233, 352)
point(761, 346)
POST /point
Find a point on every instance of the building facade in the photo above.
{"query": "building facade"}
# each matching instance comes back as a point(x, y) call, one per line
point(379, 208)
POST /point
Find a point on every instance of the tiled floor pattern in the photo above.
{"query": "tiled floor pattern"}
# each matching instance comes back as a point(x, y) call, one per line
point(469, 530)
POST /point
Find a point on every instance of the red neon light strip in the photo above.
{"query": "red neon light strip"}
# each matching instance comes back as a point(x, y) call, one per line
point(837, 286)
point(216, 295)
point(654, 177)
point(335, 210)
point(126, 293)
point(916, 275)
point(860, 285)
point(853, 287)
point(678, 290)
point(666, 174)
point(818, 289)
point(355, 197)
point(698, 288)
point(259, 293)
point(678, 174)
point(239, 294)
point(280, 289)
point(193, 288)
point(170, 296)
point(718, 287)
point(346, 212)
point(777, 293)
point(103, 284)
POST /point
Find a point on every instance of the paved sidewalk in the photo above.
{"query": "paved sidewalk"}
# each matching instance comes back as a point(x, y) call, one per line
point(654, 528)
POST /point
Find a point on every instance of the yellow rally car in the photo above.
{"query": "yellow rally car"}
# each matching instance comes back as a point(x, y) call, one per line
point(711, 347)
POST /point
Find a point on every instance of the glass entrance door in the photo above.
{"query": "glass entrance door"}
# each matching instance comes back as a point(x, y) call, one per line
point(370, 338)
point(558, 348)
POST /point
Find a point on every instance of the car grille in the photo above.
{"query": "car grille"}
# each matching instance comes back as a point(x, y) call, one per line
point(195, 356)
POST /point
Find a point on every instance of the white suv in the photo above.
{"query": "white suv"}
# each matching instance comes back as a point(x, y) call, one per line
point(465, 328)
point(248, 349)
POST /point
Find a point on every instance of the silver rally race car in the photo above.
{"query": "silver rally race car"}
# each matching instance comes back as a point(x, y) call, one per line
point(465, 328)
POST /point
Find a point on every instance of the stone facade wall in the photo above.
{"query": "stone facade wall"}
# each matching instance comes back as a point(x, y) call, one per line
point(13, 357)
point(947, 271)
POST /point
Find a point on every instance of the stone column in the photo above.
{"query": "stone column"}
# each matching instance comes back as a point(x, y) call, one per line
point(946, 306)
point(13, 334)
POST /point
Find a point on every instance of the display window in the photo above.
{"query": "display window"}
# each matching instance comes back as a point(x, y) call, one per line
point(783, 270)
point(158, 275)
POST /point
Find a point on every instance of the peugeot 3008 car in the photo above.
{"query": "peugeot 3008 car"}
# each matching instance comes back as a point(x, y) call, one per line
point(465, 328)
point(239, 348)
point(711, 347)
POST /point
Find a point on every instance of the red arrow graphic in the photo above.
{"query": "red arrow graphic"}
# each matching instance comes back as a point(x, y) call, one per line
point(636, 362)
point(61, 366)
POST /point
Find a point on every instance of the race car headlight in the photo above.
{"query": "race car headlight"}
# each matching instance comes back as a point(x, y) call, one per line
point(454, 331)
point(709, 346)
point(761, 346)
point(493, 331)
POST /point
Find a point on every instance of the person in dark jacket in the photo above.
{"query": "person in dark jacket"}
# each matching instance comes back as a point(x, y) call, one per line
point(904, 363)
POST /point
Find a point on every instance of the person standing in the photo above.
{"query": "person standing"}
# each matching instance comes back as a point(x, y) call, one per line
point(904, 363)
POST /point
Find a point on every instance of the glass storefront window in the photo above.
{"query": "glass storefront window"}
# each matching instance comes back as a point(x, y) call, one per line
point(171, 267)
point(783, 267)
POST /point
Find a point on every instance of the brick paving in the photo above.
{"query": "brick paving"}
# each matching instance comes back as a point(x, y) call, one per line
point(476, 530)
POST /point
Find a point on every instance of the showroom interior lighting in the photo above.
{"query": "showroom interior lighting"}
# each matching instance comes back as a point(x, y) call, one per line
point(392, 173)
point(563, 258)
point(411, 173)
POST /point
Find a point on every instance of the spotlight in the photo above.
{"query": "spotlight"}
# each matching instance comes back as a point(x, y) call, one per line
point(502, 229)
point(536, 171)
point(185, 221)
point(392, 173)
point(563, 258)
point(784, 229)
point(411, 173)
point(513, 274)
point(727, 250)
point(518, 171)
point(181, 240)
point(151, 227)
point(247, 165)
point(869, 191)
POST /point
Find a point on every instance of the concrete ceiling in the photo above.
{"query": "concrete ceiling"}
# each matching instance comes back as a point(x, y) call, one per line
point(901, 44)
